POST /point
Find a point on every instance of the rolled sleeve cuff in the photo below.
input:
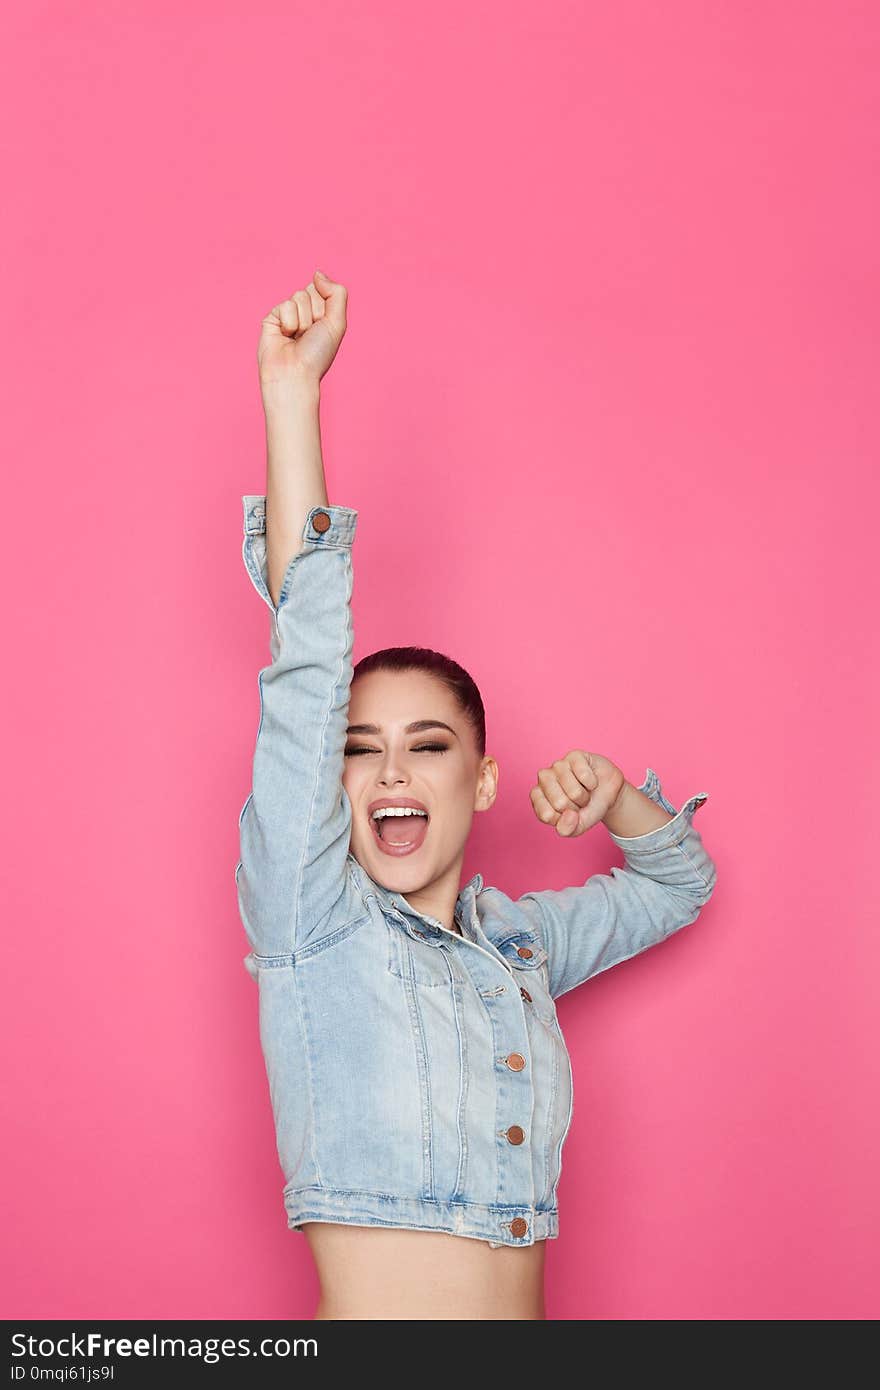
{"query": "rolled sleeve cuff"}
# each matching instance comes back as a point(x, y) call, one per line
point(326, 526)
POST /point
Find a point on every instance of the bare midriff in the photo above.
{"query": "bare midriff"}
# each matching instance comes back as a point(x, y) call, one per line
point(382, 1272)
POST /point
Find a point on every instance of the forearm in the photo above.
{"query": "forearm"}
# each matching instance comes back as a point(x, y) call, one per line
point(294, 472)
point(634, 813)
point(667, 878)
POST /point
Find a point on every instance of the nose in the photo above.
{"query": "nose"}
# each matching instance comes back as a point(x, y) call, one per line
point(390, 780)
point(389, 774)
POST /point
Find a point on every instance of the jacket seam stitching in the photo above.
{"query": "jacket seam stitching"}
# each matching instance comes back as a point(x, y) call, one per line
point(313, 1124)
point(694, 867)
point(292, 959)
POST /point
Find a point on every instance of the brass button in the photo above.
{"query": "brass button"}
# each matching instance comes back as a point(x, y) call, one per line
point(524, 952)
point(699, 801)
point(518, 1226)
point(321, 521)
point(525, 994)
point(515, 1135)
point(516, 1061)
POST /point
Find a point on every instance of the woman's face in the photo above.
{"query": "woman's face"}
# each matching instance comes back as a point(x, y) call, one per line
point(439, 767)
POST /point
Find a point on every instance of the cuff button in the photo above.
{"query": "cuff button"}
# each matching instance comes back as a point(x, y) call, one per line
point(321, 522)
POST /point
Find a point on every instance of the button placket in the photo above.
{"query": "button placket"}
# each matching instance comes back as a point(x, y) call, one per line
point(514, 1061)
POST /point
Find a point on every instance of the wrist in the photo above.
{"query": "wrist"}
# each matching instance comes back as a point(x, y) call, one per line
point(619, 807)
point(289, 393)
point(634, 813)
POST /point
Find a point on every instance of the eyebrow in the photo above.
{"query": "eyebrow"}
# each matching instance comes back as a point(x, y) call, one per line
point(418, 727)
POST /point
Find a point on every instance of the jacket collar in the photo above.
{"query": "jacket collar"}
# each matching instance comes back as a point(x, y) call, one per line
point(392, 901)
point(514, 941)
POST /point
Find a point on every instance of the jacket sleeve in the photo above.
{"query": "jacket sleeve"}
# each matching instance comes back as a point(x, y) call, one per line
point(295, 825)
point(666, 879)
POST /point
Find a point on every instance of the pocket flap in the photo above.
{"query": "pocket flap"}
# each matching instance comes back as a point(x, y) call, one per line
point(523, 949)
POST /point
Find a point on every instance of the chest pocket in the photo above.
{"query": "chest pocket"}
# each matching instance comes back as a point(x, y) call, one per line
point(426, 965)
point(524, 950)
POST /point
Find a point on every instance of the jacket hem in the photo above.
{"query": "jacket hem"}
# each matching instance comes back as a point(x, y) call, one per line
point(472, 1219)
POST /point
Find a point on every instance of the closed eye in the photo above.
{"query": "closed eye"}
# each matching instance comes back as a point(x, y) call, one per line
point(422, 748)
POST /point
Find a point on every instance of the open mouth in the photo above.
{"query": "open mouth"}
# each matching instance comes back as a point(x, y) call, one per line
point(398, 835)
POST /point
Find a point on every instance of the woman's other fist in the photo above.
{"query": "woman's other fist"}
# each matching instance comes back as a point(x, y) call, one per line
point(576, 792)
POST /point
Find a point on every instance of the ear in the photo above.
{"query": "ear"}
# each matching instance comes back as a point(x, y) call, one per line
point(488, 784)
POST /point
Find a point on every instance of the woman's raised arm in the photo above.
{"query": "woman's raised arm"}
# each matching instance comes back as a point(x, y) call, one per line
point(296, 822)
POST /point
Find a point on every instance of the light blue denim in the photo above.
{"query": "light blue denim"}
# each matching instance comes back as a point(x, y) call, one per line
point(418, 1078)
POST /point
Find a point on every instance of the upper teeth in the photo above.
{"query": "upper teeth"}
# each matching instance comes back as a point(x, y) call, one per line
point(397, 811)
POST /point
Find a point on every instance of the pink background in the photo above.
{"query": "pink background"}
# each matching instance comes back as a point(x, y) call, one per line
point(609, 392)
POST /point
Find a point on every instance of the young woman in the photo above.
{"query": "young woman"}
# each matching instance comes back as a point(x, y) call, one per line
point(420, 1083)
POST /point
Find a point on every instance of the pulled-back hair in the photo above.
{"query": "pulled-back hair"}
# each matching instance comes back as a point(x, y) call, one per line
point(455, 677)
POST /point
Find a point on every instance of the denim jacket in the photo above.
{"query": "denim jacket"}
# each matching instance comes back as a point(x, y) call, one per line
point(418, 1078)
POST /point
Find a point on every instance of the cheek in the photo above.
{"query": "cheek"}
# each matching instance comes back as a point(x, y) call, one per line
point(457, 797)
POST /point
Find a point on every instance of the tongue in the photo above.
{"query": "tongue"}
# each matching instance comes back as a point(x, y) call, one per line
point(396, 830)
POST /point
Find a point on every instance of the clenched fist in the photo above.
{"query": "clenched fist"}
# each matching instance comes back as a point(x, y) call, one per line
point(300, 336)
point(576, 792)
